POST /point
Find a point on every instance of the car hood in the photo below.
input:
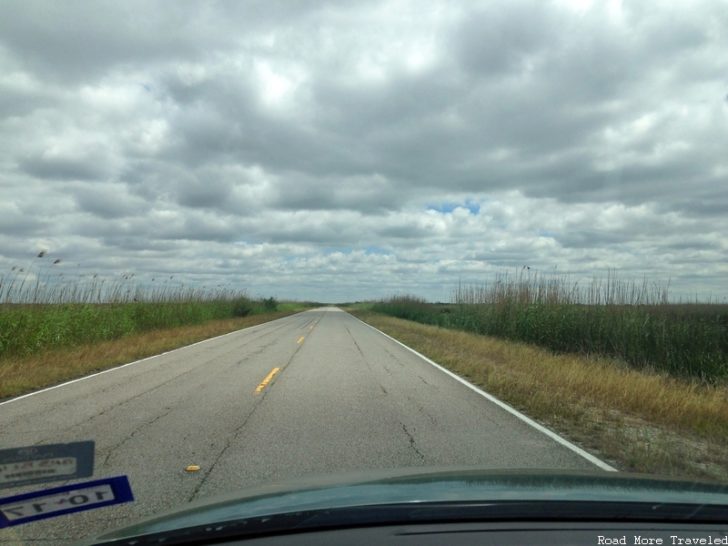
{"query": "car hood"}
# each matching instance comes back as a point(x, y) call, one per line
point(420, 486)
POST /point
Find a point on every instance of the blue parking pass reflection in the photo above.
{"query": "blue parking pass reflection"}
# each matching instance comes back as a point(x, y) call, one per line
point(67, 499)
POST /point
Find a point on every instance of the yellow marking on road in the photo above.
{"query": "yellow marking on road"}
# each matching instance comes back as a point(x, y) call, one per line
point(300, 339)
point(267, 380)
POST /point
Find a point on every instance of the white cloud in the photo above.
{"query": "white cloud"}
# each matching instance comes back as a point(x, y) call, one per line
point(346, 151)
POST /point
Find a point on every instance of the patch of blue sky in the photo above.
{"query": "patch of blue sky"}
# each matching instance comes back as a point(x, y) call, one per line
point(448, 206)
point(337, 250)
point(377, 250)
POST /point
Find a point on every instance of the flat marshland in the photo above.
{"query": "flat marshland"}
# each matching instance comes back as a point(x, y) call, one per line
point(643, 383)
point(53, 329)
point(615, 367)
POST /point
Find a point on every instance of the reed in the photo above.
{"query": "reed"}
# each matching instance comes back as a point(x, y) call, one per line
point(42, 307)
point(636, 322)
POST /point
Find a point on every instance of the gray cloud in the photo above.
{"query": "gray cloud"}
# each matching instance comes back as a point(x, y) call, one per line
point(79, 42)
point(344, 151)
point(109, 201)
point(62, 168)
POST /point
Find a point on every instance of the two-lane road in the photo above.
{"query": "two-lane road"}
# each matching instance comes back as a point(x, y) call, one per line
point(313, 393)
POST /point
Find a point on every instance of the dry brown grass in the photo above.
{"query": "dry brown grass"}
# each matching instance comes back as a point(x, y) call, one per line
point(644, 422)
point(21, 375)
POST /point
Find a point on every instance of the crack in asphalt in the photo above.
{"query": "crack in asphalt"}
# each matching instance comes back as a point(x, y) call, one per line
point(115, 406)
point(237, 431)
point(368, 365)
point(412, 443)
point(394, 357)
point(422, 410)
point(134, 433)
point(357, 345)
point(228, 444)
point(164, 383)
point(259, 351)
point(303, 326)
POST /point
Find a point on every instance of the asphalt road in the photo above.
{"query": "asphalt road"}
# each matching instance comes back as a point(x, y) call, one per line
point(345, 397)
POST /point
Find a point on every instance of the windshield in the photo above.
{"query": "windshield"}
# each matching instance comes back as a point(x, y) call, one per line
point(243, 243)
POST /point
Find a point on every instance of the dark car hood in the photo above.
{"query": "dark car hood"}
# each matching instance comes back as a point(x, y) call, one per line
point(413, 486)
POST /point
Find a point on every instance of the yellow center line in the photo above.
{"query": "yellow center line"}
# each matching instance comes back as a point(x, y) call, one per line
point(267, 380)
point(300, 339)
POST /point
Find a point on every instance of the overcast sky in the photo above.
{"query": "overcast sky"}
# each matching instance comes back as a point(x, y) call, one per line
point(349, 150)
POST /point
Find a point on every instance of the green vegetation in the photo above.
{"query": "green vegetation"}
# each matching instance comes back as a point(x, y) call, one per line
point(634, 323)
point(25, 329)
point(40, 312)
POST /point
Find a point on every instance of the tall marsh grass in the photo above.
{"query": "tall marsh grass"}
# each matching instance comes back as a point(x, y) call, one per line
point(41, 308)
point(634, 322)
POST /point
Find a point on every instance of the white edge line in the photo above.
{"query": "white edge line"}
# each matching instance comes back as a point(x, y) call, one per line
point(115, 368)
point(513, 411)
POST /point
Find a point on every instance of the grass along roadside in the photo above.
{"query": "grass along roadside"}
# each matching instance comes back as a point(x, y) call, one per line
point(635, 420)
point(20, 375)
point(683, 340)
point(26, 329)
point(43, 308)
